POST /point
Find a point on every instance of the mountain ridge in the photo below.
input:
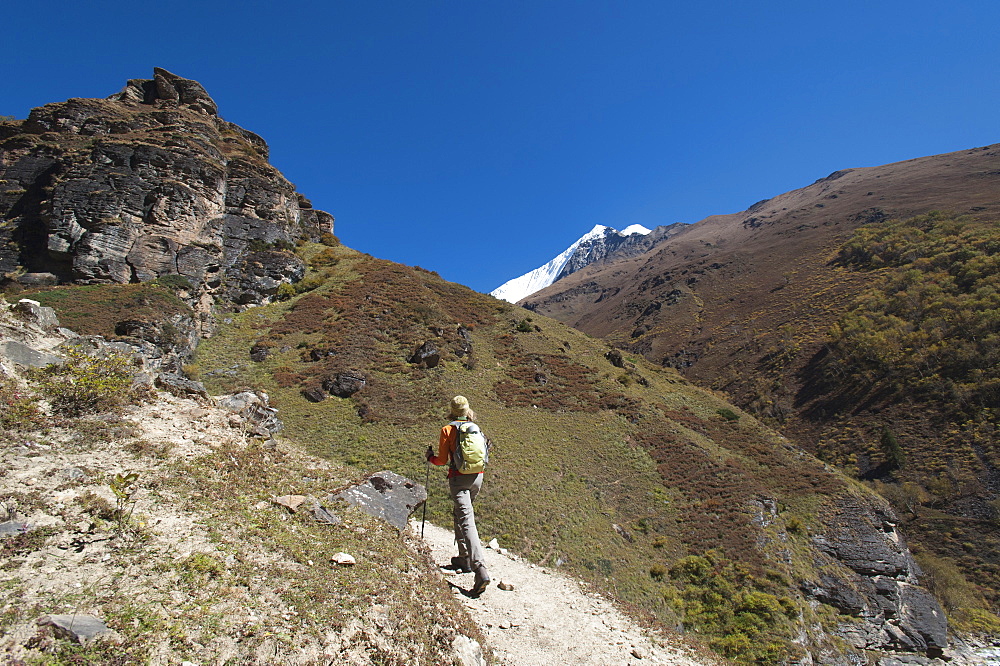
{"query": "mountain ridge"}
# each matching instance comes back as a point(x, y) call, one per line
point(598, 245)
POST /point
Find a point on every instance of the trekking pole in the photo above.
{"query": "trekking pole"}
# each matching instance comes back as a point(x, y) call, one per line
point(427, 464)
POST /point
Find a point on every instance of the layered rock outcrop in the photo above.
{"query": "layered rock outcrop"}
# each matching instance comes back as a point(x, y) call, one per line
point(148, 182)
point(868, 574)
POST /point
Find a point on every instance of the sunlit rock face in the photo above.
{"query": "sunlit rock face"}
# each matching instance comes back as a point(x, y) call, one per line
point(149, 182)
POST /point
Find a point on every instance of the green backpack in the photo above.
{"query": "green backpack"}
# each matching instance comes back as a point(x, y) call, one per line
point(472, 450)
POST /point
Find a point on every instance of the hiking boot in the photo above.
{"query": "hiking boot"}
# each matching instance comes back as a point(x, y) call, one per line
point(460, 565)
point(482, 582)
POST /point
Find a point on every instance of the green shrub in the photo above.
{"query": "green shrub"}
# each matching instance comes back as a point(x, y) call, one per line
point(202, 565)
point(309, 283)
point(327, 257)
point(719, 598)
point(19, 408)
point(524, 326)
point(88, 384)
point(285, 291)
point(728, 414)
point(175, 282)
point(329, 239)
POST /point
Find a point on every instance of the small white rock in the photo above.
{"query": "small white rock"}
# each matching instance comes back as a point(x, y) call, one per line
point(493, 544)
point(343, 559)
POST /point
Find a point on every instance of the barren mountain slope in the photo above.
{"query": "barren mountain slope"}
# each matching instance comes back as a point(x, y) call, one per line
point(729, 278)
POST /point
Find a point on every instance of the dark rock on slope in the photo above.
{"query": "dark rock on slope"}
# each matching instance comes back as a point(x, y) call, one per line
point(148, 182)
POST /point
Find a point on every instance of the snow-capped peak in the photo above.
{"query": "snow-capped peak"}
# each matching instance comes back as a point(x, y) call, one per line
point(634, 229)
point(527, 284)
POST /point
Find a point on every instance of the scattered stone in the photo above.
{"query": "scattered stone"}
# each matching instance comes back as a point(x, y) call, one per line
point(290, 502)
point(252, 407)
point(622, 532)
point(427, 355)
point(259, 352)
point(493, 544)
point(467, 651)
point(614, 357)
point(343, 560)
point(13, 527)
point(179, 386)
point(385, 495)
point(505, 586)
point(321, 514)
point(74, 474)
point(345, 384)
point(314, 394)
point(639, 652)
point(79, 628)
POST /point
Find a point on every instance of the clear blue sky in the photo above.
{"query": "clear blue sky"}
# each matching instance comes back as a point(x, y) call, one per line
point(479, 139)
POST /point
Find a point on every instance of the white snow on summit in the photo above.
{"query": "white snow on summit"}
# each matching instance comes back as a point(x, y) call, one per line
point(634, 229)
point(536, 280)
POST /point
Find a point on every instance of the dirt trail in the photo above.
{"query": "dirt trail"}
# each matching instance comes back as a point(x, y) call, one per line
point(549, 618)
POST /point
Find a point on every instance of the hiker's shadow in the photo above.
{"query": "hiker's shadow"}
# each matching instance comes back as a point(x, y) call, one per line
point(470, 593)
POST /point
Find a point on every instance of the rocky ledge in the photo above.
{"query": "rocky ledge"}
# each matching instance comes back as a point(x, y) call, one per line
point(148, 182)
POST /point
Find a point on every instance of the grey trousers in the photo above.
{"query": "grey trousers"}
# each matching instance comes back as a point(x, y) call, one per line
point(464, 489)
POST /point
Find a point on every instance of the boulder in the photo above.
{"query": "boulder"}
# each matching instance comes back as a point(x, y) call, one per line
point(315, 394)
point(615, 358)
point(877, 580)
point(253, 407)
point(35, 313)
point(22, 354)
point(344, 384)
point(9, 527)
point(38, 279)
point(180, 386)
point(385, 495)
point(259, 352)
point(78, 628)
point(923, 620)
point(467, 651)
point(865, 539)
point(464, 342)
point(144, 330)
point(427, 355)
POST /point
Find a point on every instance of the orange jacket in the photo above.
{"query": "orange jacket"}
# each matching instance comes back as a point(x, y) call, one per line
point(446, 447)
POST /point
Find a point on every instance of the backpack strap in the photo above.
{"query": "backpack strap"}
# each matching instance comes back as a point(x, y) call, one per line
point(451, 454)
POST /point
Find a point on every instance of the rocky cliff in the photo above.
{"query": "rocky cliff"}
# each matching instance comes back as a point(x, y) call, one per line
point(148, 182)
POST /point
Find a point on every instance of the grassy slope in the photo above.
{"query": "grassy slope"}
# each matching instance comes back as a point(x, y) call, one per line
point(203, 565)
point(617, 472)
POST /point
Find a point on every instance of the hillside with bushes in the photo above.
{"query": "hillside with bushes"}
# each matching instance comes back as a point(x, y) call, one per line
point(687, 510)
point(856, 315)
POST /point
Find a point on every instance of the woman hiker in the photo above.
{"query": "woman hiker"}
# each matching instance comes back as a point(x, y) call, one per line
point(464, 488)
